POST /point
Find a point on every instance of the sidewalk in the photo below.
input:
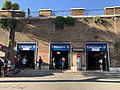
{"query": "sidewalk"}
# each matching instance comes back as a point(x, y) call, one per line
point(61, 75)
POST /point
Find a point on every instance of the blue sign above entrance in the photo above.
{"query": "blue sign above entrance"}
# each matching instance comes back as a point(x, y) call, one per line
point(60, 47)
point(96, 47)
point(26, 46)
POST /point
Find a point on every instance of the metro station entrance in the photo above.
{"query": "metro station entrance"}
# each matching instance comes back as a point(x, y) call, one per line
point(94, 53)
point(58, 55)
point(59, 52)
point(29, 56)
point(27, 50)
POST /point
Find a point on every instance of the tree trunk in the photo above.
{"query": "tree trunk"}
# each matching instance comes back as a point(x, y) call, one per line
point(11, 42)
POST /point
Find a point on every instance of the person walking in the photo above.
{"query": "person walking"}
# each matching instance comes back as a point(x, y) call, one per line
point(3, 67)
point(60, 63)
point(15, 59)
point(8, 66)
point(53, 60)
point(63, 63)
point(40, 62)
point(100, 64)
point(28, 11)
point(24, 61)
point(1, 64)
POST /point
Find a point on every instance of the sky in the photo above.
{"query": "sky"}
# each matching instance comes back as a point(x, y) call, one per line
point(55, 5)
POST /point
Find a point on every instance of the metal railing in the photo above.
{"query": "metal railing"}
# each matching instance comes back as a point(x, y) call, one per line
point(33, 14)
point(94, 12)
point(68, 13)
point(61, 13)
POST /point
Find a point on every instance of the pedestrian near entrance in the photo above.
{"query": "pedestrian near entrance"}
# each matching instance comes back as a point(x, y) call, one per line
point(3, 67)
point(53, 63)
point(15, 59)
point(60, 63)
point(63, 63)
point(40, 62)
point(8, 66)
point(100, 64)
point(24, 61)
point(1, 64)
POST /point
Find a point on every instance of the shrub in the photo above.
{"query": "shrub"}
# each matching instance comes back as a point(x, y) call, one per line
point(61, 21)
point(97, 20)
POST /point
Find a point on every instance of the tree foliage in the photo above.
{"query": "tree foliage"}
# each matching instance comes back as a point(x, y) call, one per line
point(69, 21)
point(61, 21)
point(15, 6)
point(117, 45)
point(8, 5)
point(97, 20)
point(7, 23)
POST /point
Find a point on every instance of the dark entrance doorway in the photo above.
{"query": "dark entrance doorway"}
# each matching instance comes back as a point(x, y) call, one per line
point(93, 60)
point(58, 55)
point(96, 53)
point(28, 50)
point(29, 56)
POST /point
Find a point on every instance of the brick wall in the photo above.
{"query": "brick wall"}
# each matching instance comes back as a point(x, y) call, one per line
point(117, 10)
point(43, 32)
point(109, 11)
point(112, 10)
point(10, 13)
point(45, 12)
point(77, 11)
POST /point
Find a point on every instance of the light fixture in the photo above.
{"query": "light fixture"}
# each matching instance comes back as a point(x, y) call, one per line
point(58, 52)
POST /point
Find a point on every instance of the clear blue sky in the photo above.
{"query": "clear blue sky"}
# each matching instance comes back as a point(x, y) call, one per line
point(34, 5)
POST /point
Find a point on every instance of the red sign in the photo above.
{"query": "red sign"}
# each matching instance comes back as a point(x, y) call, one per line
point(1, 47)
point(78, 55)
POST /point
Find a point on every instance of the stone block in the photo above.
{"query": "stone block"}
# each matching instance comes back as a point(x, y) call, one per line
point(77, 11)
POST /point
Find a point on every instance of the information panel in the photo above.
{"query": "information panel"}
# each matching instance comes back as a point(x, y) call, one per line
point(26, 46)
point(60, 47)
point(96, 47)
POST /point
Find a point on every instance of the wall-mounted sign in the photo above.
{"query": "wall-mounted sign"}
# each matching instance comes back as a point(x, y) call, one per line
point(96, 47)
point(78, 55)
point(27, 46)
point(60, 47)
point(78, 49)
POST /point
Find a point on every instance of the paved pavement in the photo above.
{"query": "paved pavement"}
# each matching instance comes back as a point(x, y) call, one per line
point(63, 76)
point(61, 80)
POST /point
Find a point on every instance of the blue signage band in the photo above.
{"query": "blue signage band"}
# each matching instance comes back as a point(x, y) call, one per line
point(60, 47)
point(26, 47)
point(96, 47)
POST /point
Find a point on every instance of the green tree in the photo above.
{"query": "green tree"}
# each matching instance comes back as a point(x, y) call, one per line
point(15, 6)
point(6, 5)
point(9, 23)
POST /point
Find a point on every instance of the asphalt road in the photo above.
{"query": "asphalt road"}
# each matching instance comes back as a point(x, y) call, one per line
point(59, 86)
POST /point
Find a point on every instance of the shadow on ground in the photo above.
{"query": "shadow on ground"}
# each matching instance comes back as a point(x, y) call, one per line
point(64, 76)
point(35, 73)
point(95, 79)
